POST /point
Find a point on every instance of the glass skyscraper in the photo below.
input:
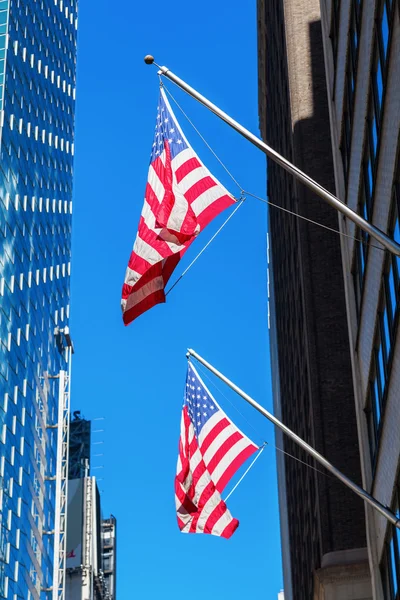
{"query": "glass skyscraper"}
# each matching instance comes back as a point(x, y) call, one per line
point(37, 99)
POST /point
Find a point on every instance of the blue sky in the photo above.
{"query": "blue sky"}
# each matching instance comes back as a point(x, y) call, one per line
point(134, 376)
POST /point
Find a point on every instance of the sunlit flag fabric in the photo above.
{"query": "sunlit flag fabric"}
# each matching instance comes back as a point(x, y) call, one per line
point(181, 198)
point(211, 450)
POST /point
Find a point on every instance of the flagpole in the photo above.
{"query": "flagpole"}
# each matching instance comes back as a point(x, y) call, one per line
point(385, 511)
point(373, 231)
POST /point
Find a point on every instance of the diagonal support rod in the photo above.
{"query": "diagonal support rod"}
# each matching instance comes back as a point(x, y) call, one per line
point(383, 510)
point(373, 231)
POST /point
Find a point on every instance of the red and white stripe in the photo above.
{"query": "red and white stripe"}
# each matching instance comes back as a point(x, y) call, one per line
point(181, 198)
point(205, 465)
point(199, 506)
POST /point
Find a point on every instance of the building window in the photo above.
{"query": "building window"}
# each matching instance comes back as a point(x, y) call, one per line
point(377, 82)
point(368, 178)
point(394, 232)
point(365, 206)
point(383, 28)
point(361, 246)
point(390, 564)
point(360, 259)
point(373, 127)
point(383, 33)
point(385, 336)
point(354, 41)
point(334, 33)
point(374, 412)
point(350, 83)
point(380, 368)
point(346, 138)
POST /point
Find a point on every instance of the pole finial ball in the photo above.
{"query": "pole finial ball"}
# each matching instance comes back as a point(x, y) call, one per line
point(149, 59)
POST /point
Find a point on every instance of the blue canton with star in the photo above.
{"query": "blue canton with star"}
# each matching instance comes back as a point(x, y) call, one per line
point(200, 404)
point(166, 129)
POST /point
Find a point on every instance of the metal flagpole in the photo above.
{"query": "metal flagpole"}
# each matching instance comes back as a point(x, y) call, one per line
point(373, 231)
point(385, 511)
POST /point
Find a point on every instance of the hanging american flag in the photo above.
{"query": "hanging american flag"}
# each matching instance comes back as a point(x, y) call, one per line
point(211, 450)
point(181, 198)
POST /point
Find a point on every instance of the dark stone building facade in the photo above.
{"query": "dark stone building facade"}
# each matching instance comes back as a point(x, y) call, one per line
point(311, 361)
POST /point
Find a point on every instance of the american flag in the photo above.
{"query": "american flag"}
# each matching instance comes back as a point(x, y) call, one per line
point(211, 450)
point(181, 198)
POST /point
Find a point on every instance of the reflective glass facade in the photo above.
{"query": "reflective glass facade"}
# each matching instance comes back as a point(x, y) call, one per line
point(37, 97)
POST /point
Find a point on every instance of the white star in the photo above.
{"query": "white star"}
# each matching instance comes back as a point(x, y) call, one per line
point(198, 405)
point(165, 120)
point(179, 142)
point(204, 397)
point(198, 396)
point(205, 414)
point(198, 415)
point(172, 130)
point(212, 408)
point(204, 405)
point(170, 141)
point(199, 423)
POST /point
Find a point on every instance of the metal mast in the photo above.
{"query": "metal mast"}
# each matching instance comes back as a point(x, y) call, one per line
point(60, 520)
point(373, 231)
point(383, 510)
point(88, 564)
